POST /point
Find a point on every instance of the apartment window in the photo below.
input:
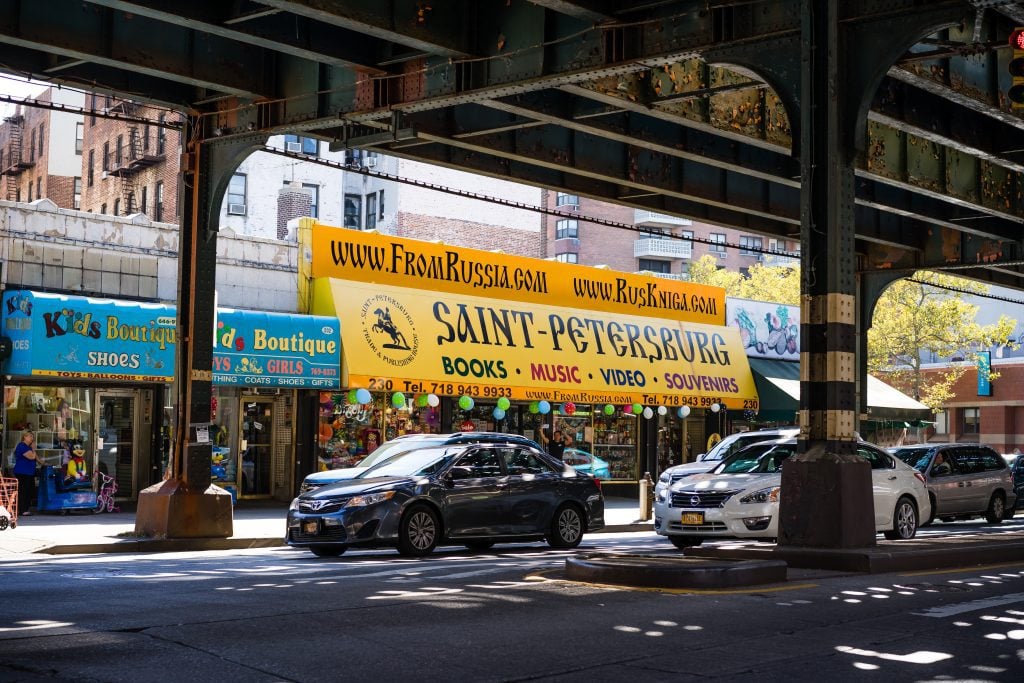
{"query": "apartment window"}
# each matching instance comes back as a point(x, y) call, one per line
point(103, 208)
point(236, 195)
point(563, 199)
point(567, 227)
point(39, 188)
point(117, 207)
point(942, 422)
point(314, 203)
point(353, 211)
point(142, 205)
point(687, 236)
point(655, 266)
point(17, 195)
point(145, 138)
point(161, 134)
point(749, 245)
point(79, 137)
point(90, 174)
point(106, 156)
point(2, 167)
point(42, 135)
point(92, 108)
point(30, 190)
point(718, 244)
point(158, 204)
point(118, 151)
point(569, 257)
point(294, 143)
point(78, 193)
point(371, 211)
point(380, 206)
point(655, 234)
point(32, 148)
point(972, 421)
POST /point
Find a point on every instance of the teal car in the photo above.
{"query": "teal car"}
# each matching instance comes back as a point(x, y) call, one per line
point(582, 461)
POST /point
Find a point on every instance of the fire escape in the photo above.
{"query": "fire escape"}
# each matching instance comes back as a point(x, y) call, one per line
point(141, 150)
point(12, 163)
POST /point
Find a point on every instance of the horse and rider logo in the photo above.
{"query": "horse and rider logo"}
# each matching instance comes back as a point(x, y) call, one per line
point(389, 330)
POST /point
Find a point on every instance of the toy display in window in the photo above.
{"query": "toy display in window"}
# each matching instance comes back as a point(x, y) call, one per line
point(77, 471)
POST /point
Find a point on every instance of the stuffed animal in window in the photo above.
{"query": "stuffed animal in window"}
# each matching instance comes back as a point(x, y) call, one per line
point(77, 471)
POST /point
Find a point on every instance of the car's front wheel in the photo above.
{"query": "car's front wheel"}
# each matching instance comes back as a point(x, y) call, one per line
point(419, 531)
point(996, 512)
point(682, 542)
point(904, 521)
point(328, 550)
point(566, 528)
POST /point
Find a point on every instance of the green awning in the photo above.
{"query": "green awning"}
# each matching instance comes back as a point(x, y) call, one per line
point(778, 389)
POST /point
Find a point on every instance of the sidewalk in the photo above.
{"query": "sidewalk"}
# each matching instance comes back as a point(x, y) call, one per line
point(256, 525)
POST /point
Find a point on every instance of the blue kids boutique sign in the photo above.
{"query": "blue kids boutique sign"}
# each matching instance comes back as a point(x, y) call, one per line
point(79, 337)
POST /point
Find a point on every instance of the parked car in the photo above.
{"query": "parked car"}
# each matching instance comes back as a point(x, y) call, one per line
point(964, 480)
point(401, 444)
point(473, 494)
point(589, 463)
point(740, 497)
point(723, 449)
point(1015, 461)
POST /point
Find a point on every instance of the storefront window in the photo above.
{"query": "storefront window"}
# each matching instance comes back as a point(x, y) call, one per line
point(613, 439)
point(60, 417)
point(224, 438)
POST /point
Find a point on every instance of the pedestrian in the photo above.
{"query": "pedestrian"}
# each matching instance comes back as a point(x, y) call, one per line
point(25, 462)
point(557, 445)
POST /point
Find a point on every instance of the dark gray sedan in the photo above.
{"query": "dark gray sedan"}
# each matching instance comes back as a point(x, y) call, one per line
point(468, 494)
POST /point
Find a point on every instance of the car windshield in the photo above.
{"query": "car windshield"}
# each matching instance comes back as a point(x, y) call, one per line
point(761, 458)
point(391, 448)
point(419, 462)
point(736, 443)
point(915, 457)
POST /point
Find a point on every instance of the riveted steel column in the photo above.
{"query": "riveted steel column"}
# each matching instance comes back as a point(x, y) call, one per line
point(826, 490)
point(187, 505)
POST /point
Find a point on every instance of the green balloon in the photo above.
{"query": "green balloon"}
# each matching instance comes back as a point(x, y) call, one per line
point(465, 402)
point(609, 409)
point(421, 401)
point(352, 396)
point(398, 399)
point(534, 407)
point(637, 408)
point(504, 403)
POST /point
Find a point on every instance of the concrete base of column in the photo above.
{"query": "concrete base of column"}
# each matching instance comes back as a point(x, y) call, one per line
point(826, 502)
point(170, 510)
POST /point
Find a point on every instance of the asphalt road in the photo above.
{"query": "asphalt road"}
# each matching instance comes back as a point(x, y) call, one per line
point(283, 615)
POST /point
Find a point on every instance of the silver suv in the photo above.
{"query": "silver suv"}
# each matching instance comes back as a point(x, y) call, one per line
point(723, 449)
point(964, 480)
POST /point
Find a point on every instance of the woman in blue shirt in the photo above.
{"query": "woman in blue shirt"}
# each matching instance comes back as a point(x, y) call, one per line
point(25, 471)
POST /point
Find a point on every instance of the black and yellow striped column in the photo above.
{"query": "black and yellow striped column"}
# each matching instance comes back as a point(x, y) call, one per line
point(826, 499)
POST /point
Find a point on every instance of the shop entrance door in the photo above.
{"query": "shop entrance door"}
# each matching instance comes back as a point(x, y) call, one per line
point(257, 445)
point(115, 438)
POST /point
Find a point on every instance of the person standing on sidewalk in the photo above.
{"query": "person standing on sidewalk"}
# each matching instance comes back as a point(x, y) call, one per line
point(25, 461)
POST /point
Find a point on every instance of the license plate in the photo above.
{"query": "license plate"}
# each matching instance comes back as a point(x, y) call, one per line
point(309, 527)
point(693, 518)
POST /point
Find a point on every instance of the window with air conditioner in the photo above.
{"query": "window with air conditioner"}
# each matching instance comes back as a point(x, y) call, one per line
point(717, 245)
point(236, 195)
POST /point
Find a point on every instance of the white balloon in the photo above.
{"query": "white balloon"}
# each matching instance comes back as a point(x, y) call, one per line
point(662, 410)
point(684, 412)
point(715, 407)
point(648, 413)
point(433, 400)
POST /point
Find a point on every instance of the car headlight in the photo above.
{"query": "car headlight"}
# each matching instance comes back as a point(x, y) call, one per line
point(369, 499)
point(665, 477)
point(661, 495)
point(294, 505)
point(768, 495)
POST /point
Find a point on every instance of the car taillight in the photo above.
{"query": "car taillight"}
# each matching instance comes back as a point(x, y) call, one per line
point(920, 476)
point(598, 482)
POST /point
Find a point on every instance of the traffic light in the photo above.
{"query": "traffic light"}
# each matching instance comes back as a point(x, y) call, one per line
point(1016, 92)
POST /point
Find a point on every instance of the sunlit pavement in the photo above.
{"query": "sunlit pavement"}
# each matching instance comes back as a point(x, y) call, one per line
point(282, 614)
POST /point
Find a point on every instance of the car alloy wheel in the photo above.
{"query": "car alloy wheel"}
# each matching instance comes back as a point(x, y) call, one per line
point(419, 532)
point(904, 521)
point(996, 510)
point(567, 528)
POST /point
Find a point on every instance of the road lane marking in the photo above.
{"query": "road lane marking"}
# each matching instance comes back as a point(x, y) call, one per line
point(34, 625)
point(972, 606)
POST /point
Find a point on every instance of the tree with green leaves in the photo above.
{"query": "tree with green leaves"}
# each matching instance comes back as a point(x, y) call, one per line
point(780, 284)
point(929, 313)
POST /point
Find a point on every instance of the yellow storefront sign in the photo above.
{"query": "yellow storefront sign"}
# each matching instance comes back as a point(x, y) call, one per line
point(385, 260)
point(416, 341)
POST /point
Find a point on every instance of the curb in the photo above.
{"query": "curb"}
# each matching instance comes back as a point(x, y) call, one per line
point(658, 571)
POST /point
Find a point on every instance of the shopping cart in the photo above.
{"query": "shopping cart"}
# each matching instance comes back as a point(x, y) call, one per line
point(8, 502)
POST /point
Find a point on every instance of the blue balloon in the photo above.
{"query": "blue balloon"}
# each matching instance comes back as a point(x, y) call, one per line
point(499, 414)
point(544, 407)
point(363, 396)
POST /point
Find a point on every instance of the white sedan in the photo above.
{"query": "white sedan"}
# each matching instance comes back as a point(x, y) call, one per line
point(740, 497)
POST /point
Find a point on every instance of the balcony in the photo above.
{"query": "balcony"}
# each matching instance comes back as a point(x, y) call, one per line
point(682, 277)
point(662, 248)
point(658, 220)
